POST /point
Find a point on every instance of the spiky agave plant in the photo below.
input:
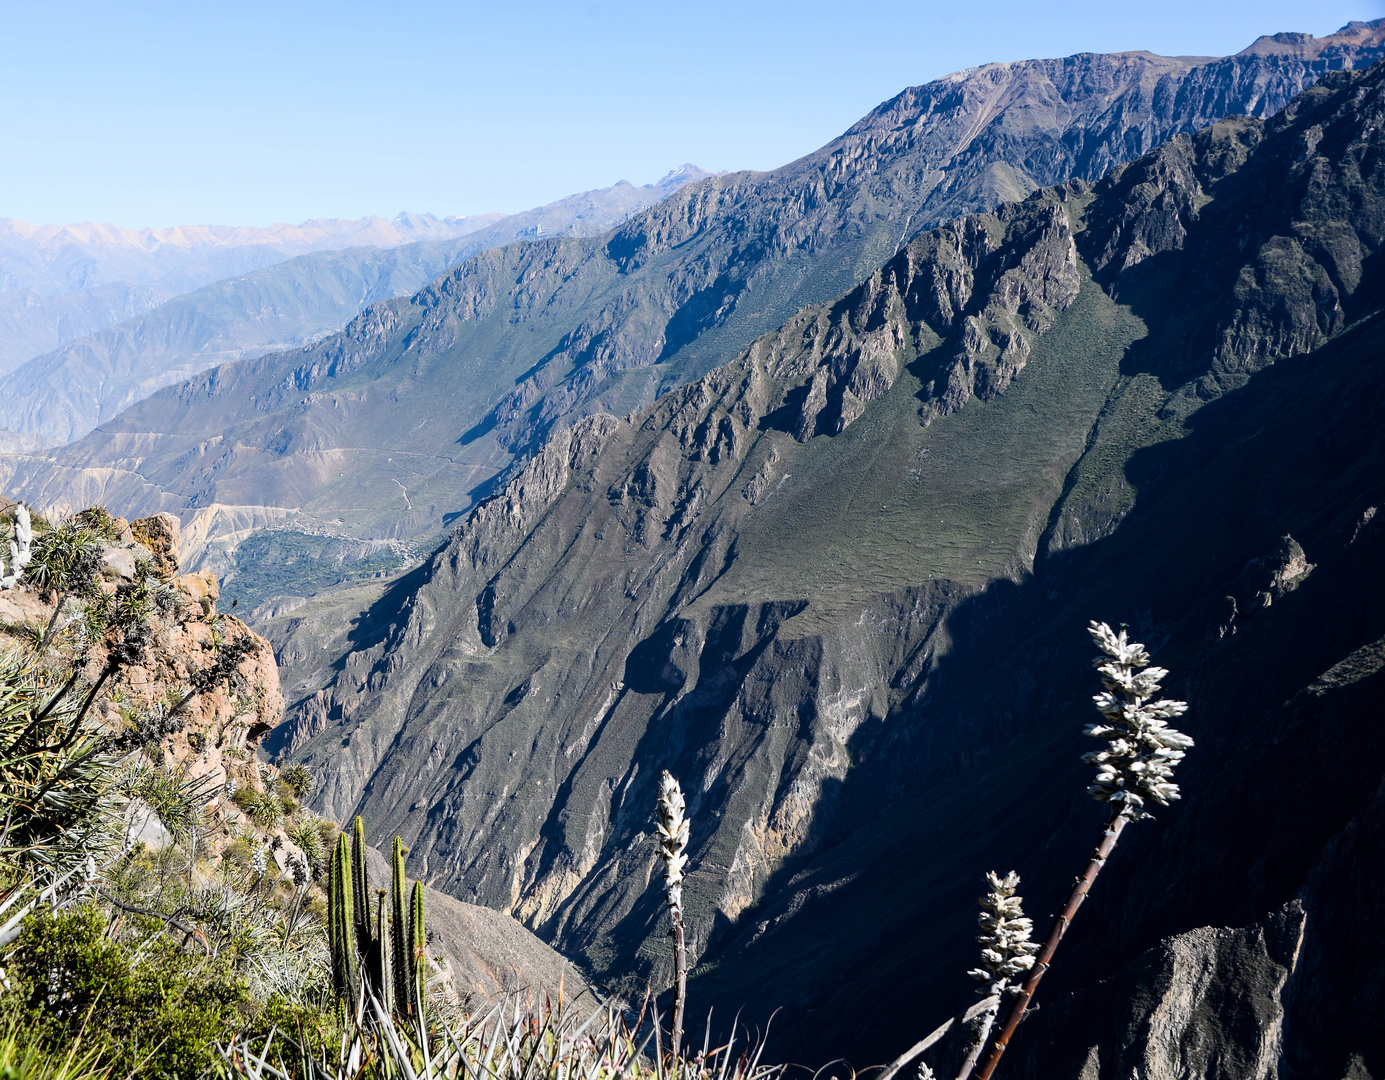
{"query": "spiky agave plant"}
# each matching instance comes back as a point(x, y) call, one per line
point(58, 785)
point(1135, 769)
point(65, 560)
point(671, 831)
point(179, 802)
point(307, 834)
point(508, 1042)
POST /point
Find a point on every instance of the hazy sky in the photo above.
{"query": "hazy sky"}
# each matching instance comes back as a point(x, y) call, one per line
point(250, 113)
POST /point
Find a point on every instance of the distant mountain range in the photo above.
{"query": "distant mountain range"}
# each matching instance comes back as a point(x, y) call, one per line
point(96, 373)
point(389, 429)
point(62, 282)
point(55, 259)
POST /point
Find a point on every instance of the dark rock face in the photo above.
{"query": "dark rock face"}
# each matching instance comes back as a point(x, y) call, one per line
point(409, 414)
point(1208, 1003)
point(838, 587)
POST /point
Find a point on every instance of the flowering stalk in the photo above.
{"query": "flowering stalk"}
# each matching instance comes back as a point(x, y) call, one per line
point(1135, 768)
point(20, 550)
point(1006, 952)
point(672, 833)
point(302, 872)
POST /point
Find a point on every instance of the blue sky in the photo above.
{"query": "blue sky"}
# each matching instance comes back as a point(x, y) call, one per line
point(249, 113)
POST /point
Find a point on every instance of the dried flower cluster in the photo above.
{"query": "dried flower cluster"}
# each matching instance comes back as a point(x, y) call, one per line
point(1006, 950)
point(19, 548)
point(1139, 762)
point(672, 834)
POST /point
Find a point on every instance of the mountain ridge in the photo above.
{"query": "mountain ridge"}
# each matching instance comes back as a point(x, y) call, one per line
point(517, 340)
point(63, 394)
point(845, 630)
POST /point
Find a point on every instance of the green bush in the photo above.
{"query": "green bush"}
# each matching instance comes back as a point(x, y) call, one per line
point(158, 1006)
point(160, 1017)
point(264, 808)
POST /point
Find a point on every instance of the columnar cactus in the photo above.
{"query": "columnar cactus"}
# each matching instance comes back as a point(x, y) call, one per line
point(360, 882)
point(340, 925)
point(380, 954)
point(672, 834)
point(418, 956)
point(388, 953)
point(372, 946)
point(399, 935)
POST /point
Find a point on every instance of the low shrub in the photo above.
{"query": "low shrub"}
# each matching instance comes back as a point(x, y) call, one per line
point(154, 1006)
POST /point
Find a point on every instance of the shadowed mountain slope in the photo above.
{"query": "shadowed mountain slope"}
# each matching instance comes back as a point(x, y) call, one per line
point(838, 586)
point(64, 394)
point(402, 420)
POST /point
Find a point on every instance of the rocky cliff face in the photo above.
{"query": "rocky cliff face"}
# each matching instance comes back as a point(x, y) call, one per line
point(404, 419)
point(215, 739)
point(219, 730)
point(838, 586)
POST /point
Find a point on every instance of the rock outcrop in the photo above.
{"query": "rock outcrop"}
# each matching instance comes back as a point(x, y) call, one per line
point(217, 732)
point(1208, 1003)
point(215, 738)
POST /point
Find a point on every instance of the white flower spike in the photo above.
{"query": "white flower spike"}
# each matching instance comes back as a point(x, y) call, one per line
point(1138, 763)
point(1006, 950)
point(672, 833)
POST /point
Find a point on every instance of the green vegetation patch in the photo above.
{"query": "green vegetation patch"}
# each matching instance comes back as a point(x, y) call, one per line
point(159, 1014)
point(964, 499)
point(284, 562)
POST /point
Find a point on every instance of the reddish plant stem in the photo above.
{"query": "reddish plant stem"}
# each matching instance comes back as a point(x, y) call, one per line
point(1060, 927)
point(680, 993)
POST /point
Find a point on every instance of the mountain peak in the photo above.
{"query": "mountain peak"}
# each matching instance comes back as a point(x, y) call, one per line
point(687, 173)
point(1307, 47)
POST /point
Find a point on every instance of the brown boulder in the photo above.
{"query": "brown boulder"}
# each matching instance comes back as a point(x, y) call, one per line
point(202, 588)
point(159, 534)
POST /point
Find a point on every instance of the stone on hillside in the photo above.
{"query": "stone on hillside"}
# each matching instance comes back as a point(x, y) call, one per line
point(159, 534)
point(202, 587)
point(120, 562)
point(11, 613)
